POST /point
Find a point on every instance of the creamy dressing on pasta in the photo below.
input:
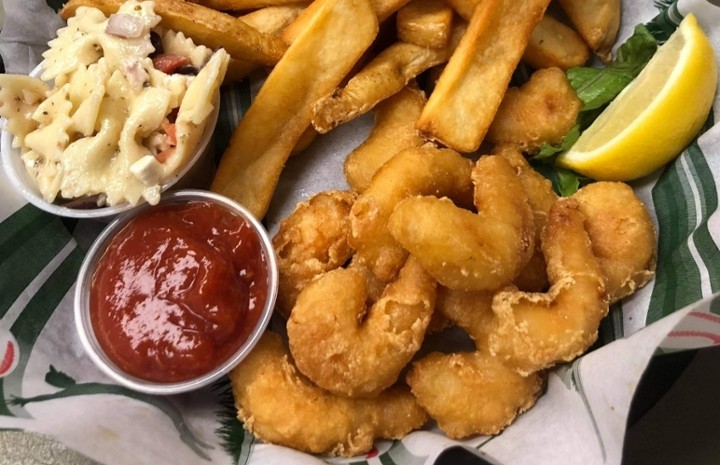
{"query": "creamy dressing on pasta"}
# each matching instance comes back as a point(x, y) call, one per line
point(98, 131)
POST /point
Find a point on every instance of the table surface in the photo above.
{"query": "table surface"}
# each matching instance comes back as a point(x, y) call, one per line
point(682, 428)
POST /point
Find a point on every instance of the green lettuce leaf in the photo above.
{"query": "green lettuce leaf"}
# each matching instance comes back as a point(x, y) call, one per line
point(597, 87)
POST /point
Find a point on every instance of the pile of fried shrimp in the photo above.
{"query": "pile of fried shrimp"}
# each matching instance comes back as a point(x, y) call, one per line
point(445, 228)
point(436, 240)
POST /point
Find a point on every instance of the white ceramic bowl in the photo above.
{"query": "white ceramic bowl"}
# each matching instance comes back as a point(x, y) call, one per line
point(195, 172)
point(83, 287)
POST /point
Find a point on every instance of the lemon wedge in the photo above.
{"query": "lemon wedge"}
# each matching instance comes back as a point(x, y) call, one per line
point(656, 116)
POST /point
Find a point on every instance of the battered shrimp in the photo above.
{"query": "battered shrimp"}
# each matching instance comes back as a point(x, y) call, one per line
point(542, 110)
point(541, 196)
point(471, 311)
point(424, 170)
point(534, 331)
point(280, 406)
point(622, 235)
point(312, 240)
point(394, 130)
point(471, 393)
point(469, 251)
point(348, 352)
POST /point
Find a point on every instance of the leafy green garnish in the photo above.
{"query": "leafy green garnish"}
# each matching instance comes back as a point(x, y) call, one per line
point(596, 88)
point(548, 151)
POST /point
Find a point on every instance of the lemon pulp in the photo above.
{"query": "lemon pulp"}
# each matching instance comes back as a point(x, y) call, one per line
point(656, 116)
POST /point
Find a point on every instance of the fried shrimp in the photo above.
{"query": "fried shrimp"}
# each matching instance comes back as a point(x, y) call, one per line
point(622, 235)
point(471, 393)
point(394, 130)
point(541, 196)
point(471, 311)
point(280, 406)
point(466, 250)
point(349, 350)
point(414, 171)
point(312, 240)
point(534, 331)
point(542, 110)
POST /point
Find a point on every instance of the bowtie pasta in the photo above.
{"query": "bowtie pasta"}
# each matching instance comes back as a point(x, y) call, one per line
point(127, 105)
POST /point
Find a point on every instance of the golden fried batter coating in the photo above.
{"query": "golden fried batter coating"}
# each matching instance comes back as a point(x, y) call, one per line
point(471, 393)
point(541, 110)
point(280, 406)
point(534, 330)
point(622, 235)
point(349, 350)
point(469, 310)
point(394, 130)
point(423, 170)
point(541, 196)
point(466, 250)
point(312, 240)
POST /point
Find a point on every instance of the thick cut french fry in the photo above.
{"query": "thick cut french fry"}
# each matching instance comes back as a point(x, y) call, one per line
point(393, 131)
point(337, 35)
point(291, 32)
point(553, 44)
point(306, 138)
point(383, 9)
point(384, 76)
point(470, 90)
point(427, 23)
point(269, 20)
point(273, 19)
point(240, 5)
point(205, 26)
point(597, 21)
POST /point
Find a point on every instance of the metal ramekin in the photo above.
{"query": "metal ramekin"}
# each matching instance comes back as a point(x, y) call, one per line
point(83, 285)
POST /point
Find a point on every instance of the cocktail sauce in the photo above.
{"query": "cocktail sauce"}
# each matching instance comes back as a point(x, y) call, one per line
point(178, 291)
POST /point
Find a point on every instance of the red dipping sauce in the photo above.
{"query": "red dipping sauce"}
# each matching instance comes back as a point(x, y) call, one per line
point(178, 290)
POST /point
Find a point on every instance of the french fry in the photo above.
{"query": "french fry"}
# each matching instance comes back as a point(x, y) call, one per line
point(384, 76)
point(426, 23)
point(464, 8)
point(205, 26)
point(269, 20)
point(394, 130)
point(469, 92)
point(337, 35)
point(383, 9)
point(597, 21)
point(273, 19)
point(553, 44)
point(306, 138)
point(240, 5)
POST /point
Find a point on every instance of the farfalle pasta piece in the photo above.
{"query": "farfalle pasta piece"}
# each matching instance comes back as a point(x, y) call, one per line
point(19, 98)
